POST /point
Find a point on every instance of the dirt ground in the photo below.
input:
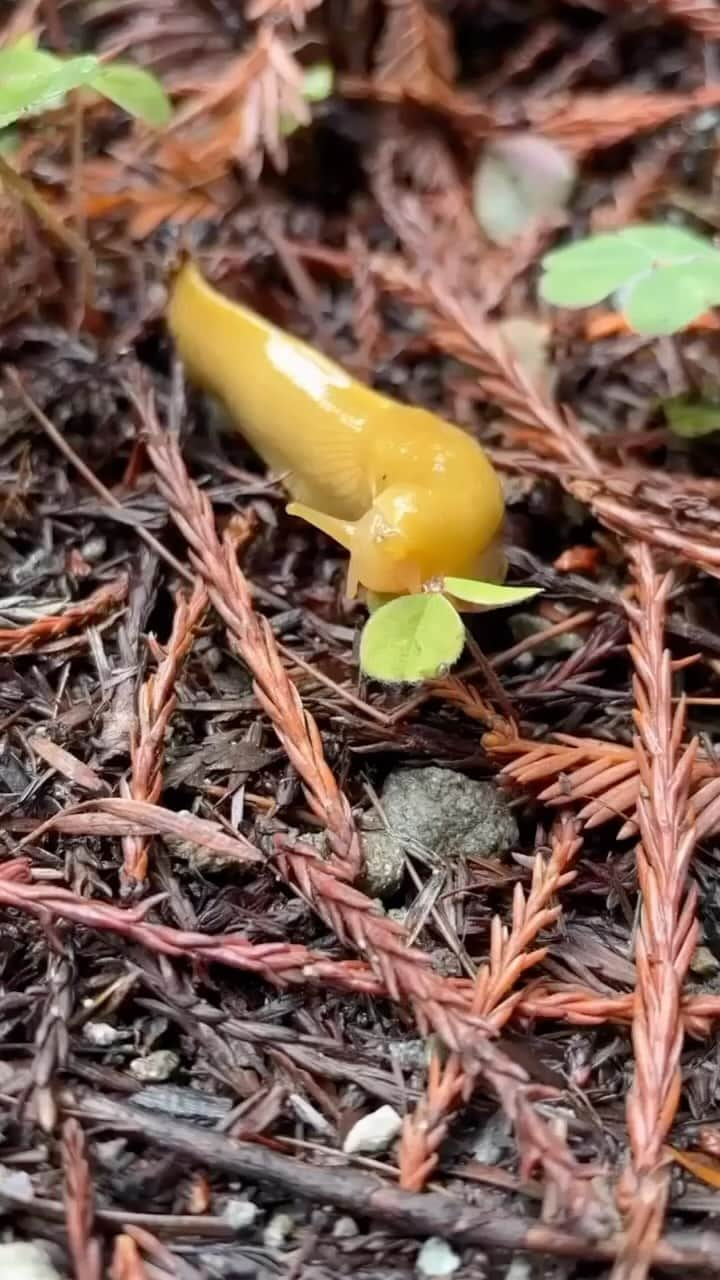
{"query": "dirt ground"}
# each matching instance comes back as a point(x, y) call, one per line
point(303, 975)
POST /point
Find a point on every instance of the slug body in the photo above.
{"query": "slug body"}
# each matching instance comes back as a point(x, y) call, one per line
point(411, 497)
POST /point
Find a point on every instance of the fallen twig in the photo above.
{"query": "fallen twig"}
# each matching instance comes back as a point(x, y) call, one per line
point(408, 1214)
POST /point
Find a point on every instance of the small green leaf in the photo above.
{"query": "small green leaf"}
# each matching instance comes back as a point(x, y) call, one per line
point(690, 418)
point(411, 639)
point(17, 61)
point(43, 89)
point(666, 276)
point(489, 594)
point(318, 82)
point(135, 90)
point(584, 273)
point(669, 243)
point(666, 300)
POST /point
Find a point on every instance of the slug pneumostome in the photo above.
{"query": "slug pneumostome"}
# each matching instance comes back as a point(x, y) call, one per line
point(411, 497)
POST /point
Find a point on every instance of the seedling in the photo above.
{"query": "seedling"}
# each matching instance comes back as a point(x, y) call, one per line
point(419, 637)
point(33, 80)
point(317, 85)
point(662, 278)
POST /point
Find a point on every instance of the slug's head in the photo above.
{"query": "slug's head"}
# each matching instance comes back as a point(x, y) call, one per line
point(409, 535)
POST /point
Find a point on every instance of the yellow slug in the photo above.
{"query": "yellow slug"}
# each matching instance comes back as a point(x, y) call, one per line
point(410, 497)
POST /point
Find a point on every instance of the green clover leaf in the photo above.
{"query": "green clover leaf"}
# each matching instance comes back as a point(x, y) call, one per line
point(490, 594)
point(412, 638)
point(34, 80)
point(665, 277)
point(135, 90)
point(690, 418)
point(39, 82)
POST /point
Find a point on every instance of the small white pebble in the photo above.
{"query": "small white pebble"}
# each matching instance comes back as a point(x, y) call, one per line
point(373, 1132)
point(492, 1139)
point(108, 1153)
point(101, 1034)
point(155, 1067)
point(25, 1261)
point(280, 1226)
point(16, 1184)
point(345, 1228)
point(240, 1214)
point(436, 1258)
point(519, 1269)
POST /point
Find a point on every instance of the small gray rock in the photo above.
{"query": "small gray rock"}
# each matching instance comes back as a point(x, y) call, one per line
point(373, 1132)
point(345, 1228)
point(278, 1230)
point(384, 860)
point(24, 1261)
point(102, 1034)
point(493, 1140)
point(384, 864)
point(436, 1258)
point(448, 814)
point(155, 1066)
point(704, 964)
point(240, 1214)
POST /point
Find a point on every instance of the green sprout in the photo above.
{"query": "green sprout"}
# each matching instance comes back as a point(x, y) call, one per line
point(419, 637)
point(33, 80)
point(661, 278)
point(318, 83)
point(691, 418)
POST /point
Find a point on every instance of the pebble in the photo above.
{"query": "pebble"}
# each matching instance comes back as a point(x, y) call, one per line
point(155, 1067)
point(24, 1261)
point(384, 864)
point(383, 860)
point(448, 815)
point(704, 964)
point(240, 1214)
point(493, 1140)
point(276, 1233)
point(101, 1034)
point(436, 1258)
point(373, 1132)
point(345, 1228)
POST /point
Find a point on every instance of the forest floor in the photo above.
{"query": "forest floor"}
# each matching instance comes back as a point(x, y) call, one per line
point(518, 999)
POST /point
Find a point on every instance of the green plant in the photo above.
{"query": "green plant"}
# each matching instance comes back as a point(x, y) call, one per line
point(418, 637)
point(318, 83)
point(33, 80)
point(662, 278)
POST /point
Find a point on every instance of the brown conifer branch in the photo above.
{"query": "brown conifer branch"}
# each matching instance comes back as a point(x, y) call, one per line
point(156, 703)
point(668, 930)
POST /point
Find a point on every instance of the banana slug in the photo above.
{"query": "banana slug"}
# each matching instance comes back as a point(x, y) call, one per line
point(411, 497)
